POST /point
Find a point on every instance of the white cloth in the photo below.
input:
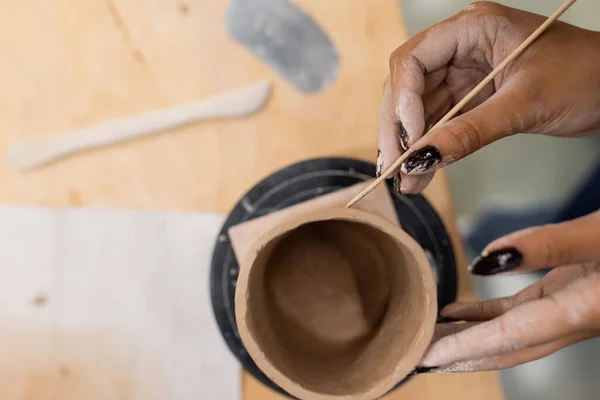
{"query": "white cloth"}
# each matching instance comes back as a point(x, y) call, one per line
point(109, 304)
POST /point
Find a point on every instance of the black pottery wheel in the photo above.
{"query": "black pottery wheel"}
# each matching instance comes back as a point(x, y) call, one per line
point(301, 182)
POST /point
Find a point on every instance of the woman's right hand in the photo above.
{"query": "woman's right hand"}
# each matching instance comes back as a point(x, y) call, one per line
point(552, 88)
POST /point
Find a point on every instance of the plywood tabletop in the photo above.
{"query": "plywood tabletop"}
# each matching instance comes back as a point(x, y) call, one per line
point(79, 63)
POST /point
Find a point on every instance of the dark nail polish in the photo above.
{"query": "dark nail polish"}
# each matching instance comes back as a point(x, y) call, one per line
point(403, 136)
point(379, 164)
point(421, 370)
point(421, 160)
point(497, 261)
point(396, 184)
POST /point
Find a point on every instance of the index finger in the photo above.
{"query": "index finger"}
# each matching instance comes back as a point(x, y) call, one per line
point(427, 52)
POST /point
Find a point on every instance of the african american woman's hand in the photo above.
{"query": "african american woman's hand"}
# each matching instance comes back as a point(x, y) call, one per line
point(561, 309)
point(552, 88)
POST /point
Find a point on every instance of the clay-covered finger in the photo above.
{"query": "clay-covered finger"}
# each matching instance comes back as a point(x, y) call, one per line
point(571, 242)
point(437, 102)
point(492, 308)
point(530, 324)
point(478, 310)
point(387, 133)
point(428, 52)
point(555, 280)
point(499, 116)
point(388, 138)
point(442, 330)
point(515, 358)
point(450, 328)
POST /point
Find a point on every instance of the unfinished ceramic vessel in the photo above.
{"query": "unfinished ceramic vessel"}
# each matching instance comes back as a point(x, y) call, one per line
point(336, 304)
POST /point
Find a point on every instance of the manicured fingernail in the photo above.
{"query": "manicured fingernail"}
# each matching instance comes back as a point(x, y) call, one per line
point(379, 163)
point(396, 183)
point(421, 160)
point(403, 136)
point(497, 261)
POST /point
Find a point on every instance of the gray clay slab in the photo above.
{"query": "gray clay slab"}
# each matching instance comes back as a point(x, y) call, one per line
point(286, 38)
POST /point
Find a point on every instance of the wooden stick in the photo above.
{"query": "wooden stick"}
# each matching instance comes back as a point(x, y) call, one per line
point(468, 97)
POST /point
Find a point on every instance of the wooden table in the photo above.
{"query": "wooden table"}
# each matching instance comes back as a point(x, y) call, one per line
point(68, 64)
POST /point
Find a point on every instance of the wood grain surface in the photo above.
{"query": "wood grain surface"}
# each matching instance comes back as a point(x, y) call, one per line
point(66, 65)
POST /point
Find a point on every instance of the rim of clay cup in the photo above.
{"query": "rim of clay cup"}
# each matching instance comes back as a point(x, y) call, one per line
point(345, 214)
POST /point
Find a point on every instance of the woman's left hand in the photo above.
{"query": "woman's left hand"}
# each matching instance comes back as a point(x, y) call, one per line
point(561, 309)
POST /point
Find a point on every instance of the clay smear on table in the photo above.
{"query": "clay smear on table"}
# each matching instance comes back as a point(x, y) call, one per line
point(336, 304)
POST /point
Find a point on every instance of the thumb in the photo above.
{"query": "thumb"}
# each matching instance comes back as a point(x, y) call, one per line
point(495, 118)
point(572, 242)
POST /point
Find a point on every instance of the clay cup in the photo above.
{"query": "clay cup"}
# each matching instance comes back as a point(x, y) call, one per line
point(336, 304)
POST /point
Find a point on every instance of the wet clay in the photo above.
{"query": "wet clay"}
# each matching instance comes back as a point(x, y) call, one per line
point(336, 304)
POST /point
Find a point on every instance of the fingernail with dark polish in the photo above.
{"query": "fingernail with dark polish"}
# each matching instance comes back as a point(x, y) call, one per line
point(396, 184)
point(421, 160)
point(379, 164)
point(421, 370)
point(403, 136)
point(497, 261)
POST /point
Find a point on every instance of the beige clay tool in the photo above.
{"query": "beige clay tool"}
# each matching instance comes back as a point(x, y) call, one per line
point(468, 97)
point(236, 103)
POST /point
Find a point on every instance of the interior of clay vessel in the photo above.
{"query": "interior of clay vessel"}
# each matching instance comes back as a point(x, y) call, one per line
point(335, 305)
